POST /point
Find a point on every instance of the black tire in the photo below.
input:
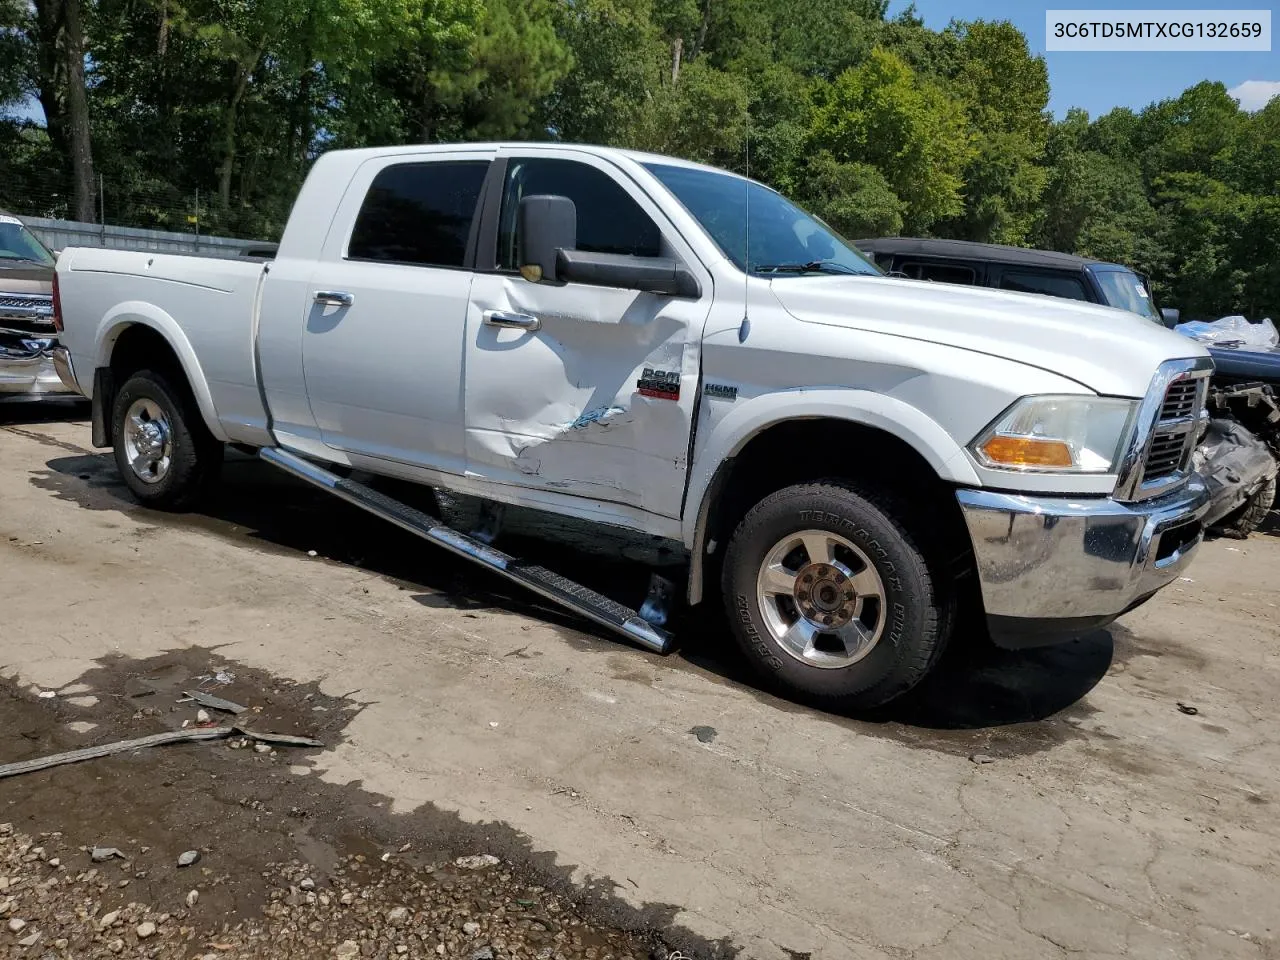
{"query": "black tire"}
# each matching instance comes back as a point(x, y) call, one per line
point(918, 606)
point(196, 456)
point(1247, 518)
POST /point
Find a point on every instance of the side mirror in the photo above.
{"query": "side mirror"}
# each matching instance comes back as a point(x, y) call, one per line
point(666, 276)
point(548, 231)
point(548, 224)
point(1170, 316)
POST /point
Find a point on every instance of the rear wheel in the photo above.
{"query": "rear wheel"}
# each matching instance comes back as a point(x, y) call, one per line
point(163, 450)
point(831, 599)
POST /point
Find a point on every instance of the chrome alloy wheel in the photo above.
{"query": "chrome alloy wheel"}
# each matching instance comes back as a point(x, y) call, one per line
point(148, 441)
point(821, 598)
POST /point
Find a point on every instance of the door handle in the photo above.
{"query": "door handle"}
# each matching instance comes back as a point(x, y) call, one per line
point(334, 298)
point(520, 321)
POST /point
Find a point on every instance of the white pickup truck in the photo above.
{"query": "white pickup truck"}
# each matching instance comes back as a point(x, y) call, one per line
point(664, 350)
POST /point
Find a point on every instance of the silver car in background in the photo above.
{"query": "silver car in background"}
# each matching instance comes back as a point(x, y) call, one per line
point(27, 332)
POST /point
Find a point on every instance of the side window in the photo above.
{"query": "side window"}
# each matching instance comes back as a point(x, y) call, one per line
point(609, 221)
point(940, 272)
point(419, 213)
point(1050, 284)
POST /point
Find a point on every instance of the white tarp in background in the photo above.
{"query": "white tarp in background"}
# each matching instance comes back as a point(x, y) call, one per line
point(1232, 332)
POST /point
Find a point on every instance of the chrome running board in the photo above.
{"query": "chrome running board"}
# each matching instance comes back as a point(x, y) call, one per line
point(546, 583)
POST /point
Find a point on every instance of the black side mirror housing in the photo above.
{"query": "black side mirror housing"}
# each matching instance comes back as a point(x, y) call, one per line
point(666, 276)
point(548, 224)
point(548, 231)
point(1170, 316)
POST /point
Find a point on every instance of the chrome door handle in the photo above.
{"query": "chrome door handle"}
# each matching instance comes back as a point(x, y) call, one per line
point(334, 298)
point(521, 321)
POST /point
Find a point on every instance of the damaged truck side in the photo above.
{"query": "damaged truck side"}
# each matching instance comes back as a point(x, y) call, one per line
point(665, 351)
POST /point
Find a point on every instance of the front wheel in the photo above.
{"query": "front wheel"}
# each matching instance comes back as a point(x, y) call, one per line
point(163, 449)
point(1249, 516)
point(831, 599)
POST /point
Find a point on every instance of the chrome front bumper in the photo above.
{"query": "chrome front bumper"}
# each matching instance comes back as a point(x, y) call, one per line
point(35, 368)
point(1054, 568)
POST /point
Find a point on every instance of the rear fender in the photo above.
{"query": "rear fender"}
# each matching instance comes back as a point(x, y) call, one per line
point(135, 313)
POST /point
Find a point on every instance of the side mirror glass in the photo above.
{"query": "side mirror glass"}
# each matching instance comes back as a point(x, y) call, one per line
point(1170, 316)
point(547, 224)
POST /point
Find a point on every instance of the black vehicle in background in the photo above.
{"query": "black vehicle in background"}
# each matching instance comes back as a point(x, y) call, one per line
point(1245, 383)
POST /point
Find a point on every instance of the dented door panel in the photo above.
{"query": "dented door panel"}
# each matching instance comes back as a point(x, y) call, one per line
point(598, 402)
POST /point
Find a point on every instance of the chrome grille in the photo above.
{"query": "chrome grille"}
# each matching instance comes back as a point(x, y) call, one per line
point(1173, 436)
point(1165, 456)
point(1159, 455)
point(37, 302)
point(1180, 399)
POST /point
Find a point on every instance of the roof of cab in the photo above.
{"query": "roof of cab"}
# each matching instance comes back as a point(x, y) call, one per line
point(638, 156)
point(967, 250)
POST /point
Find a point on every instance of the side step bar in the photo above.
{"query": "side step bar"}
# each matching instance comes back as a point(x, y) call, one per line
point(581, 600)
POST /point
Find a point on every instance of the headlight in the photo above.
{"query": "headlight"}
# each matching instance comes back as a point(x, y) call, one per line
point(1070, 434)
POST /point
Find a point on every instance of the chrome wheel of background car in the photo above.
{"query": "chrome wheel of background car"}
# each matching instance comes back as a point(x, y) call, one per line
point(821, 598)
point(148, 441)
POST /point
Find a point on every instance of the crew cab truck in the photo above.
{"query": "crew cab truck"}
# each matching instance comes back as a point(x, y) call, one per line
point(675, 353)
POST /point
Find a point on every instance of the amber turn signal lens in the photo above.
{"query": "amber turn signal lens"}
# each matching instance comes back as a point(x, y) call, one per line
point(1027, 452)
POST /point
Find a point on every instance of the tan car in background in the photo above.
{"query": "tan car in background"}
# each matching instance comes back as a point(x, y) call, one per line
point(27, 332)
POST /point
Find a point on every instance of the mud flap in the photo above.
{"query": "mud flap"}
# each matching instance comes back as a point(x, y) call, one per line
point(104, 395)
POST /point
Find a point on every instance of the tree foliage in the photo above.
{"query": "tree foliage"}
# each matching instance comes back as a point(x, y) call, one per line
point(211, 112)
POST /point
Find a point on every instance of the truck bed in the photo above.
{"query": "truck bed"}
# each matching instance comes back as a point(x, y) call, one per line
point(206, 306)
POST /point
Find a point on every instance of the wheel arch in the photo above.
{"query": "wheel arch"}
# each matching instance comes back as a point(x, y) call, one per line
point(135, 336)
point(752, 453)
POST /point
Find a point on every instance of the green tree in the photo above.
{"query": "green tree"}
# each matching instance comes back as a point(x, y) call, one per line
point(619, 57)
point(854, 198)
point(909, 128)
point(1005, 91)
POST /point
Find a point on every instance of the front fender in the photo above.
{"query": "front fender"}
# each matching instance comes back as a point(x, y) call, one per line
point(137, 312)
point(749, 419)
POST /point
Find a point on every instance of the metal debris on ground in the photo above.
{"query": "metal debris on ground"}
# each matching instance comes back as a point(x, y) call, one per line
point(223, 677)
point(1187, 709)
point(155, 740)
point(214, 703)
point(981, 758)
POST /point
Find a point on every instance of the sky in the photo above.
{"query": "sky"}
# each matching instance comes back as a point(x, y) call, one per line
point(1100, 81)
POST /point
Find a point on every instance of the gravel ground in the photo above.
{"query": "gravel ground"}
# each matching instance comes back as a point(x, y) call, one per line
point(55, 903)
point(94, 855)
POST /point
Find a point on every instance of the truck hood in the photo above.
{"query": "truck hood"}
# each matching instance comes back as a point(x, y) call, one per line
point(1110, 351)
point(20, 276)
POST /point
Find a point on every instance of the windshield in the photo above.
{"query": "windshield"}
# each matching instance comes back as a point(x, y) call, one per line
point(18, 243)
point(1126, 290)
point(783, 238)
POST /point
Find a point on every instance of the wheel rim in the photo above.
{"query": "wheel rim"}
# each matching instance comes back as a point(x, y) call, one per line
point(148, 441)
point(821, 598)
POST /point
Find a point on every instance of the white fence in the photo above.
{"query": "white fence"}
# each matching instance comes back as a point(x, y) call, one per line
point(57, 234)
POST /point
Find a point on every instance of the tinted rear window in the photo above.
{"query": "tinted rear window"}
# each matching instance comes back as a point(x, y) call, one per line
point(940, 272)
point(419, 213)
point(1049, 284)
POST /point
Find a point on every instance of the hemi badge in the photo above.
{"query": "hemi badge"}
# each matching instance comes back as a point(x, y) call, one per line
point(721, 391)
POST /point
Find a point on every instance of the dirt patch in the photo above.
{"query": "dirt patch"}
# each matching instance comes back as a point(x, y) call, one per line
point(261, 830)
